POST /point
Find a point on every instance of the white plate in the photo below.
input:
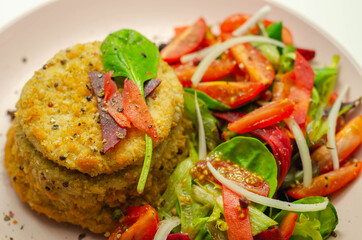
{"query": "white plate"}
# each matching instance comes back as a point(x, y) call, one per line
point(39, 35)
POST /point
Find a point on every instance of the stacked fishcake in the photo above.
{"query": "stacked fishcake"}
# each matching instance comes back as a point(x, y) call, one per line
point(54, 149)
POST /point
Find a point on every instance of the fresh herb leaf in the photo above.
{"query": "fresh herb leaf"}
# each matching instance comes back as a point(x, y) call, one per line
point(287, 59)
point(274, 31)
point(252, 155)
point(211, 103)
point(130, 54)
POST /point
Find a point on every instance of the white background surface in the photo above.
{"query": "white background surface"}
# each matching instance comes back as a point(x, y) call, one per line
point(341, 19)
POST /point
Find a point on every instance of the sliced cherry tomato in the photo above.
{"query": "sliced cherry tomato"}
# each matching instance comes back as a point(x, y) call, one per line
point(282, 85)
point(232, 172)
point(239, 75)
point(237, 218)
point(267, 115)
point(232, 94)
point(179, 30)
point(347, 140)
point(256, 65)
point(140, 223)
point(185, 43)
point(288, 224)
point(271, 234)
point(301, 90)
point(209, 40)
point(233, 22)
point(327, 183)
point(113, 102)
point(219, 68)
point(136, 110)
point(306, 53)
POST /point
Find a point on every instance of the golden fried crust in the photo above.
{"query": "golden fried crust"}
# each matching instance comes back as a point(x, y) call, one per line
point(60, 119)
point(70, 196)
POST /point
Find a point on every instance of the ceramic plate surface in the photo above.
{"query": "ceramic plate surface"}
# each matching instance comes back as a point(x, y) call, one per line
point(27, 44)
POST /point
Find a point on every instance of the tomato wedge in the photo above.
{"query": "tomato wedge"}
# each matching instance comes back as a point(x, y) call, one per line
point(267, 115)
point(219, 68)
point(282, 85)
point(235, 21)
point(288, 224)
point(136, 110)
point(256, 65)
point(113, 102)
point(232, 94)
point(237, 219)
point(140, 223)
point(327, 183)
point(271, 234)
point(186, 42)
point(301, 90)
point(347, 140)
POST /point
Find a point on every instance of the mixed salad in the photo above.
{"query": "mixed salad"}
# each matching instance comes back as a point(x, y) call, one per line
point(270, 138)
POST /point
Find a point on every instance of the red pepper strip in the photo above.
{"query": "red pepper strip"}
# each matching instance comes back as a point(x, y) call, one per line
point(306, 53)
point(185, 43)
point(256, 65)
point(327, 183)
point(237, 219)
point(271, 234)
point(232, 94)
point(110, 129)
point(347, 140)
point(264, 116)
point(274, 136)
point(140, 223)
point(113, 102)
point(301, 90)
point(288, 224)
point(280, 144)
point(136, 110)
point(219, 68)
point(235, 21)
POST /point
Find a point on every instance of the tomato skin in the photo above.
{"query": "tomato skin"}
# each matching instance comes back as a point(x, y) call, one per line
point(327, 183)
point(136, 109)
point(347, 140)
point(235, 21)
point(219, 68)
point(306, 53)
point(232, 94)
point(301, 90)
point(140, 223)
point(256, 65)
point(288, 224)
point(238, 221)
point(267, 115)
point(282, 85)
point(188, 41)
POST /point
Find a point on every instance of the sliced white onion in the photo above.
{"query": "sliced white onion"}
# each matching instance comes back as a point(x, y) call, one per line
point(198, 55)
point(265, 200)
point(165, 227)
point(332, 121)
point(202, 140)
point(219, 48)
point(259, 15)
point(303, 150)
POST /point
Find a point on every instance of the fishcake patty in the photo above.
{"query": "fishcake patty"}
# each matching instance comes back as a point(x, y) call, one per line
point(60, 117)
point(70, 196)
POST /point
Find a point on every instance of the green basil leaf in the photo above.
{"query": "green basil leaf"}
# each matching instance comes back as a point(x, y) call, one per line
point(274, 31)
point(130, 54)
point(209, 101)
point(252, 155)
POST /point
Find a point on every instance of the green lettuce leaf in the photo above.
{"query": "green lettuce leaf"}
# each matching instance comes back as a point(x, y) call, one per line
point(209, 101)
